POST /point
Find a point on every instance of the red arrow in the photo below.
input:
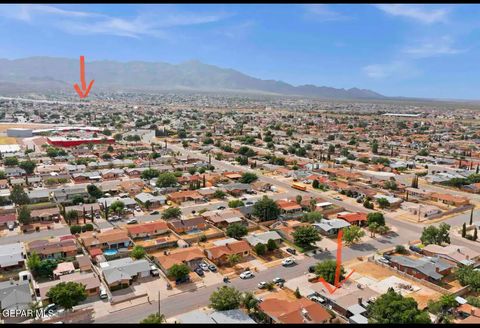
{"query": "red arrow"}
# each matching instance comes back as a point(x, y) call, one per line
point(83, 93)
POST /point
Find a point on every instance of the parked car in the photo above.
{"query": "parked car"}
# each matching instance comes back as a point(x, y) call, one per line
point(154, 271)
point(154, 213)
point(292, 251)
point(221, 207)
point(103, 293)
point(415, 249)
point(338, 198)
point(204, 266)
point(243, 198)
point(246, 275)
point(262, 285)
point(311, 269)
point(315, 298)
point(288, 262)
point(132, 221)
point(212, 268)
point(50, 309)
point(383, 260)
point(249, 203)
point(278, 280)
point(199, 271)
point(182, 280)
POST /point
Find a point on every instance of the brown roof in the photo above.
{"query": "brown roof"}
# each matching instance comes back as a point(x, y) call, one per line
point(176, 224)
point(47, 247)
point(148, 227)
point(179, 256)
point(90, 238)
point(229, 248)
point(284, 311)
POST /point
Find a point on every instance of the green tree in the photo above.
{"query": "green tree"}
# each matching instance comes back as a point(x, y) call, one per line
point(248, 177)
point(352, 234)
point(46, 267)
point(383, 203)
point(24, 215)
point(312, 217)
point(172, 213)
point(297, 293)
point(393, 308)
point(166, 179)
point(260, 249)
point(233, 259)
point(375, 217)
point(271, 245)
point(10, 161)
point(71, 216)
point(28, 166)
point(138, 252)
point(434, 235)
point(266, 209)
point(149, 174)
point(178, 271)
point(94, 191)
point(315, 184)
point(237, 230)
point(442, 307)
point(67, 294)
point(19, 196)
point(305, 236)
point(33, 261)
point(225, 298)
point(249, 301)
point(219, 194)
point(117, 207)
point(154, 318)
point(235, 203)
point(373, 227)
point(327, 269)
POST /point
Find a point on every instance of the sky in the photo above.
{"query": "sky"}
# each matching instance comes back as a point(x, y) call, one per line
point(428, 51)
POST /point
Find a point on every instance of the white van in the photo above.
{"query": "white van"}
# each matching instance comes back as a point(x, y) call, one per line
point(103, 293)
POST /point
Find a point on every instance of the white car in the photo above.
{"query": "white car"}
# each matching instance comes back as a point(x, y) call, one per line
point(204, 266)
point(288, 261)
point(262, 284)
point(132, 221)
point(337, 198)
point(383, 260)
point(316, 299)
point(246, 275)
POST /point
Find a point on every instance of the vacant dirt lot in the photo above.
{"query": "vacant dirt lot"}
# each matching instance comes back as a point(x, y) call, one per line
point(372, 270)
point(5, 126)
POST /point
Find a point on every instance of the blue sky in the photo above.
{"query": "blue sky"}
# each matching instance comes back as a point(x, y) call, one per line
point(397, 50)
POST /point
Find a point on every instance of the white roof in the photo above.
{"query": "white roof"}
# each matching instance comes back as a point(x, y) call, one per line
point(323, 204)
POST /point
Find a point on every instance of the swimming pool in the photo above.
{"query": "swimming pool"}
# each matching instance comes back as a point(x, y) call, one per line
point(110, 252)
point(193, 231)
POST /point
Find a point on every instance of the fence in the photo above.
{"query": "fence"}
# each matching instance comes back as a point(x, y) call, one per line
point(406, 275)
point(459, 209)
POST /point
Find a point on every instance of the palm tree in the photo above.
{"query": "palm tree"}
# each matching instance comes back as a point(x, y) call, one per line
point(373, 227)
point(383, 230)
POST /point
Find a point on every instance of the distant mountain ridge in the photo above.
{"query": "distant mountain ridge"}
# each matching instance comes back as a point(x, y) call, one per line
point(190, 75)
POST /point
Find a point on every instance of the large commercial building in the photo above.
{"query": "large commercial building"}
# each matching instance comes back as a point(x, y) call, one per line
point(19, 133)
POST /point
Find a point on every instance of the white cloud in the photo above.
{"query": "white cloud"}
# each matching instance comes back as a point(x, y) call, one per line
point(396, 69)
point(323, 12)
point(153, 23)
point(422, 14)
point(433, 47)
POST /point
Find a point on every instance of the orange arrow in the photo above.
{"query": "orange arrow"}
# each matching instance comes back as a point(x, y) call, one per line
point(83, 93)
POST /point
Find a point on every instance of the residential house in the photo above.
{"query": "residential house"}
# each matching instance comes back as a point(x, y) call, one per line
point(90, 280)
point(237, 189)
point(122, 272)
point(108, 239)
point(428, 269)
point(357, 218)
point(262, 238)
point(45, 214)
point(458, 255)
point(191, 256)
point(59, 247)
point(151, 200)
point(449, 199)
point(223, 249)
point(149, 229)
point(11, 256)
point(299, 311)
point(330, 227)
point(185, 196)
point(188, 225)
point(289, 209)
point(14, 296)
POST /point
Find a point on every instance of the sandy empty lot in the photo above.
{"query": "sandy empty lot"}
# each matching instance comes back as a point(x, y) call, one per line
point(5, 126)
point(372, 270)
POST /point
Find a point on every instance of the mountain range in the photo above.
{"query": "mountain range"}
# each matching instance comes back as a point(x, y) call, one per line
point(48, 73)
